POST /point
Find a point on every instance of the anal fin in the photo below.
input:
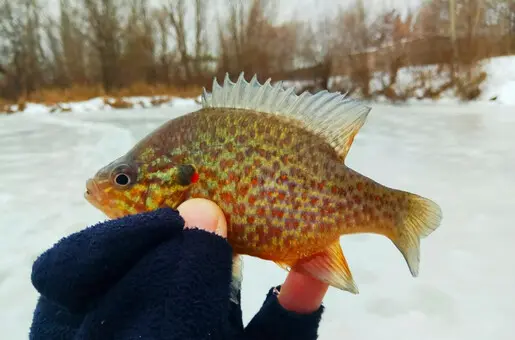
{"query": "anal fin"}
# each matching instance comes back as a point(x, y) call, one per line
point(283, 265)
point(329, 266)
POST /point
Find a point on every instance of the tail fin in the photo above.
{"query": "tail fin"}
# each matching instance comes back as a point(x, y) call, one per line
point(421, 218)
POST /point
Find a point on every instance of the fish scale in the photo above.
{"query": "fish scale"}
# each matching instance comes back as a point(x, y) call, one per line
point(275, 164)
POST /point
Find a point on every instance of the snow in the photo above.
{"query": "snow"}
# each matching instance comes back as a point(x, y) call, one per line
point(97, 104)
point(459, 155)
point(501, 82)
point(499, 86)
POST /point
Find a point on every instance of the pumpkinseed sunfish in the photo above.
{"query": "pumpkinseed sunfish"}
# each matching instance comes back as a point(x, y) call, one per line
point(274, 161)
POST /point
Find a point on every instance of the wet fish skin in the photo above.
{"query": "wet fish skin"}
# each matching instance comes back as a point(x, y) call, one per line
point(280, 178)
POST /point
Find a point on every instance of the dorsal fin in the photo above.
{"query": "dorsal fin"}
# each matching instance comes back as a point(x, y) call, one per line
point(332, 116)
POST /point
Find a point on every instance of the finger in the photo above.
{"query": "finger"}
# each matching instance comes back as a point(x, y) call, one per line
point(203, 214)
point(302, 293)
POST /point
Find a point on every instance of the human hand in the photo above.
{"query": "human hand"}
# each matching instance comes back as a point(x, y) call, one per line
point(158, 273)
point(300, 293)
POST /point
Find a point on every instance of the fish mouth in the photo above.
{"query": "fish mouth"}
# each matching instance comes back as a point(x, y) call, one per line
point(92, 194)
point(91, 190)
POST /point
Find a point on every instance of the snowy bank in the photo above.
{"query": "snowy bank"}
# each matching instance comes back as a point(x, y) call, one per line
point(499, 87)
point(419, 82)
point(102, 104)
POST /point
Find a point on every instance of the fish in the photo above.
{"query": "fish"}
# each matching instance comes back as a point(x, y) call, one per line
point(275, 163)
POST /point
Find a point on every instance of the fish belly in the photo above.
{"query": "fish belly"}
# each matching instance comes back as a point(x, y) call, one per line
point(273, 214)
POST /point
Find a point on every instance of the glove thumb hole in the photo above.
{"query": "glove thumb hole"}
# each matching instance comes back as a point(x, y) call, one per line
point(203, 214)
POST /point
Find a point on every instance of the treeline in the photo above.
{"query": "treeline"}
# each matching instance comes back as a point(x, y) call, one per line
point(90, 47)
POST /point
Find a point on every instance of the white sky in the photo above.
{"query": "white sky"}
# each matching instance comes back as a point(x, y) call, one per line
point(313, 9)
point(305, 10)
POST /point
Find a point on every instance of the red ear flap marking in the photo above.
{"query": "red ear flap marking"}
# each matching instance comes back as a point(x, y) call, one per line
point(195, 177)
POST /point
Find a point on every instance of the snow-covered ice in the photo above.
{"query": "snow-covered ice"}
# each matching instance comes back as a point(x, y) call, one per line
point(462, 156)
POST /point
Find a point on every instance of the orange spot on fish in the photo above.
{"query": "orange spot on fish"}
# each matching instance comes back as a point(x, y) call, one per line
point(209, 173)
point(313, 185)
point(281, 196)
point(360, 186)
point(356, 199)
point(252, 199)
point(261, 211)
point(274, 232)
point(240, 157)
point(223, 182)
point(291, 186)
point(239, 209)
point(277, 213)
point(233, 177)
point(251, 219)
point(243, 189)
point(227, 197)
point(254, 181)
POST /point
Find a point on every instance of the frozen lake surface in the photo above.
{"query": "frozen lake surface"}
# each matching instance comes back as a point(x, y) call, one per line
point(463, 157)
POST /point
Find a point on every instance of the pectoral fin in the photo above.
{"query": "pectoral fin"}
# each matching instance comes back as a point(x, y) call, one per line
point(329, 266)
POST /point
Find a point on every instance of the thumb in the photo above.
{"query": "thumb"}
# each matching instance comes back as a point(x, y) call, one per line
point(203, 214)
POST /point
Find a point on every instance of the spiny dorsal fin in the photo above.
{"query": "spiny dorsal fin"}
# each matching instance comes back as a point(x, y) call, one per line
point(330, 115)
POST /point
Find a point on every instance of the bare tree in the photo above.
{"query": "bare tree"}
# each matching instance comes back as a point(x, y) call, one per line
point(74, 43)
point(20, 27)
point(137, 57)
point(191, 59)
point(105, 30)
point(252, 42)
point(161, 38)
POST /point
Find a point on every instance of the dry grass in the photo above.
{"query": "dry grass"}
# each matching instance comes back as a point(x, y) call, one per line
point(142, 89)
point(76, 93)
point(11, 107)
point(56, 96)
point(118, 103)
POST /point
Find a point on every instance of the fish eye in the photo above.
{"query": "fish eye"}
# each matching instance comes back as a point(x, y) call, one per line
point(122, 179)
point(123, 176)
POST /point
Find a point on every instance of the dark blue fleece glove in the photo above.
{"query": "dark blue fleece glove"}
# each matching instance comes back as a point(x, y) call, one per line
point(145, 277)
